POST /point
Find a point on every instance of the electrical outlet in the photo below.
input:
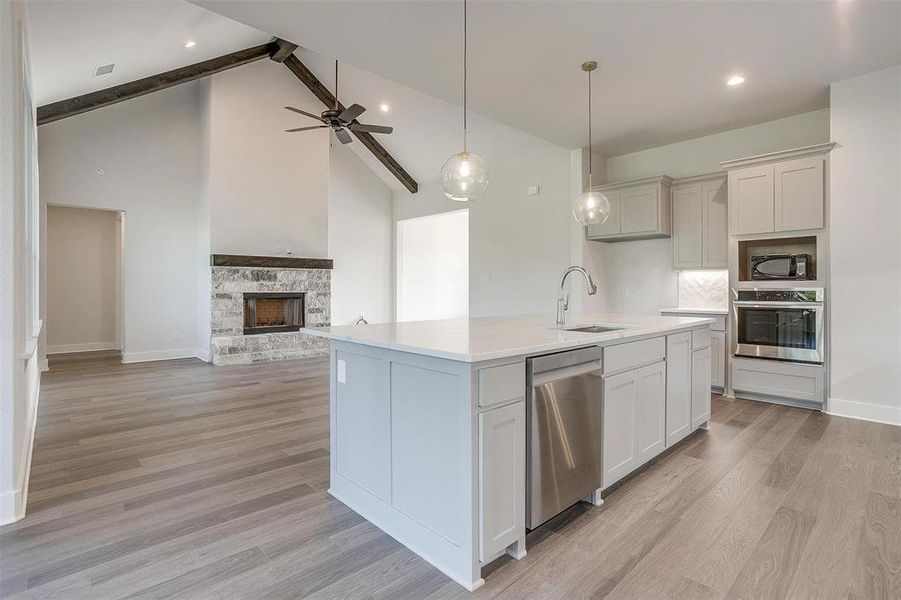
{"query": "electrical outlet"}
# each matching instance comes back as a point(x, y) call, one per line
point(342, 371)
point(625, 292)
point(176, 336)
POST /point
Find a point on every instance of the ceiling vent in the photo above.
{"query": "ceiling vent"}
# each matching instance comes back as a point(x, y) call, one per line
point(104, 69)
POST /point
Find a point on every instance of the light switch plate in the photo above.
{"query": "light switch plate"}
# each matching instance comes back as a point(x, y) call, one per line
point(342, 371)
point(533, 190)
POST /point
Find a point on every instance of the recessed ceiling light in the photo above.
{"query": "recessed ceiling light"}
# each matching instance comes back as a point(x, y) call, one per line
point(190, 44)
point(735, 80)
point(384, 107)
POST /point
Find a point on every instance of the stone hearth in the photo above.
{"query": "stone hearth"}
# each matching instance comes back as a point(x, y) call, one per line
point(229, 345)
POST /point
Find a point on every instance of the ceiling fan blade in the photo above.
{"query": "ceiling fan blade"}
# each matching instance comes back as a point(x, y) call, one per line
point(304, 113)
point(370, 128)
point(343, 136)
point(351, 113)
point(306, 128)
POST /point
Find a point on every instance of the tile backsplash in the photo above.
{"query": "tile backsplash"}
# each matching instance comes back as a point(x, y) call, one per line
point(704, 289)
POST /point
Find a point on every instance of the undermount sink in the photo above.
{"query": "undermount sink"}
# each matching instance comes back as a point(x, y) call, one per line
point(593, 328)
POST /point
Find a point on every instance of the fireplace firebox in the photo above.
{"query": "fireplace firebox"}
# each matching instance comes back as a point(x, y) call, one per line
point(271, 312)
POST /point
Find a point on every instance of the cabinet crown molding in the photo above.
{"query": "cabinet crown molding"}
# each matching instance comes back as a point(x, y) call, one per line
point(772, 157)
point(656, 180)
point(717, 175)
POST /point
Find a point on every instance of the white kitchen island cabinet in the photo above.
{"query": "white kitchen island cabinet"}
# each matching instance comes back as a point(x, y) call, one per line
point(428, 424)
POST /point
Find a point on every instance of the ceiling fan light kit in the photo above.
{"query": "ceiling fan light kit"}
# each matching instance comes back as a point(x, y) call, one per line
point(340, 121)
point(591, 207)
point(464, 175)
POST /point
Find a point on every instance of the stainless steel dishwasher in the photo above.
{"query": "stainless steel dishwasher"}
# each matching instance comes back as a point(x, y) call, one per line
point(563, 424)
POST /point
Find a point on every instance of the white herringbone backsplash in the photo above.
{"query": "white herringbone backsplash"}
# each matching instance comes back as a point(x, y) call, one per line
point(704, 289)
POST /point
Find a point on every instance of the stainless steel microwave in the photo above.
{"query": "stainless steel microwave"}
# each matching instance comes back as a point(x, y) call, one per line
point(781, 266)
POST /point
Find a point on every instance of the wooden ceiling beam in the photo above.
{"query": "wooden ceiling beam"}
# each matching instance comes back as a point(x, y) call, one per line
point(140, 87)
point(300, 70)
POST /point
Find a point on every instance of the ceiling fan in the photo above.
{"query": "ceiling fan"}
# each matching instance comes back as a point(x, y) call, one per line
point(340, 121)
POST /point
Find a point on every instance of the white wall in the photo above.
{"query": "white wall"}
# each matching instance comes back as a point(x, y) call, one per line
point(519, 245)
point(360, 240)
point(638, 276)
point(269, 189)
point(82, 279)
point(433, 267)
point(20, 244)
point(865, 247)
point(150, 152)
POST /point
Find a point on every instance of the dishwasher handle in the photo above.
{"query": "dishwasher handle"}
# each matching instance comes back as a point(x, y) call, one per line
point(550, 376)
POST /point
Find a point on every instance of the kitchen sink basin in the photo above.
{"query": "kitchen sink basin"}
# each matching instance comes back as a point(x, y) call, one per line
point(593, 328)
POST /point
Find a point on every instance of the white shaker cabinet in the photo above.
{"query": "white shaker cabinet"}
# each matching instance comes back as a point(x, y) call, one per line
point(718, 359)
point(798, 194)
point(650, 413)
point(751, 208)
point(700, 387)
point(639, 209)
point(501, 477)
point(678, 387)
point(619, 446)
point(700, 227)
point(780, 191)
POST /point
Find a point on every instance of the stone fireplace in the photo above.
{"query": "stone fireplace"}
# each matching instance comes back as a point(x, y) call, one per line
point(259, 304)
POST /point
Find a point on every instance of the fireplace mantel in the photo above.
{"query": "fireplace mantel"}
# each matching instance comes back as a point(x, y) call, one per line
point(269, 262)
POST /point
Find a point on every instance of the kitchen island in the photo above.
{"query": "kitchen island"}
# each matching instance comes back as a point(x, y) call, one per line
point(428, 420)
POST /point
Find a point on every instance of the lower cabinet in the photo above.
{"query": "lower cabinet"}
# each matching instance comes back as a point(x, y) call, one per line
point(502, 470)
point(651, 411)
point(718, 359)
point(678, 387)
point(700, 387)
point(634, 420)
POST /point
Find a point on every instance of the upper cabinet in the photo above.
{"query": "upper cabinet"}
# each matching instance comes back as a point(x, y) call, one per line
point(781, 191)
point(700, 231)
point(639, 209)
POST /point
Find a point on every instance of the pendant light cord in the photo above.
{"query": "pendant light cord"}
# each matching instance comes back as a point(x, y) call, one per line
point(589, 129)
point(464, 76)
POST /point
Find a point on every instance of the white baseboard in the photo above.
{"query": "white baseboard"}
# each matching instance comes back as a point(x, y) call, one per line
point(12, 503)
point(879, 413)
point(87, 347)
point(136, 357)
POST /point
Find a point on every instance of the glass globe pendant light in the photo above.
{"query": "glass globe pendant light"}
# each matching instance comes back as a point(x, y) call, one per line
point(464, 175)
point(591, 207)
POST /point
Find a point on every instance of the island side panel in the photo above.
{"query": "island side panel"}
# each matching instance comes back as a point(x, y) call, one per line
point(407, 421)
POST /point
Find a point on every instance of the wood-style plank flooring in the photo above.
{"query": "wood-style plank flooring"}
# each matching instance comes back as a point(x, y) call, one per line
point(179, 479)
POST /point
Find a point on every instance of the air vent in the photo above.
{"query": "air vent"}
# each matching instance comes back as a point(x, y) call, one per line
point(104, 69)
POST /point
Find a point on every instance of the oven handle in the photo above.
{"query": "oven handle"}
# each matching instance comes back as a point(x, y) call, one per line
point(745, 304)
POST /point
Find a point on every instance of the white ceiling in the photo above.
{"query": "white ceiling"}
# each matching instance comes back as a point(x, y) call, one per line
point(662, 64)
point(70, 38)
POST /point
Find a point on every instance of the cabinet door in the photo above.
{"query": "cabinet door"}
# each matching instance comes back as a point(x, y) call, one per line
point(700, 386)
point(714, 225)
point(751, 200)
point(687, 227)
point(620, 396)
point(639, 209)
point(718, 359)
point(613, 223)
point(502, 438)
point(799, 194)
point(678, 387)
point(650, 412)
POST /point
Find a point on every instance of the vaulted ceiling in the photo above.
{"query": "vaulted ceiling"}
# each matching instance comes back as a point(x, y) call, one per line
point(663, 65)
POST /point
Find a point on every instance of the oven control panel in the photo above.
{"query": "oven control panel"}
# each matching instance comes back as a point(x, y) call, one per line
point(793, 295)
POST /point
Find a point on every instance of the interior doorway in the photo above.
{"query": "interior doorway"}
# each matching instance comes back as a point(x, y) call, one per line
point(433, 267)
point(84, 280)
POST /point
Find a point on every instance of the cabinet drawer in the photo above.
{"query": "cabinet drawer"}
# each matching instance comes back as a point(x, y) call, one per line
point(632, 355)
point(780, 379)
point(700, 338)
point(502, 384)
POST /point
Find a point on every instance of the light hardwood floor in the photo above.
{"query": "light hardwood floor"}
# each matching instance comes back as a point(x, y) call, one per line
point(179, 479)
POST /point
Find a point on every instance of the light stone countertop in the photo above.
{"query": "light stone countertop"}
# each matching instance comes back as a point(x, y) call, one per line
point(719, 312)
point(488, 338)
